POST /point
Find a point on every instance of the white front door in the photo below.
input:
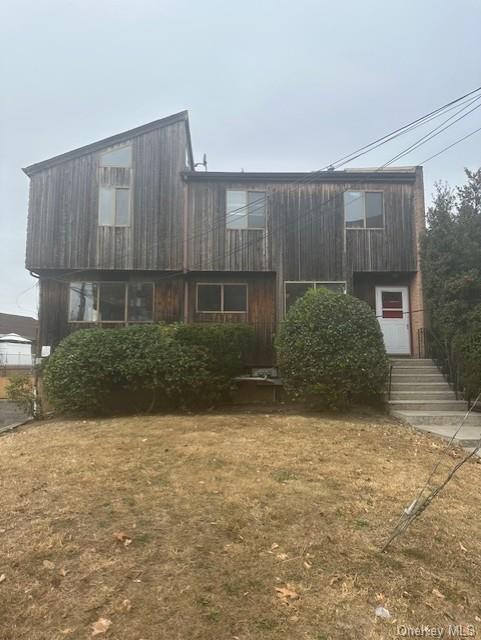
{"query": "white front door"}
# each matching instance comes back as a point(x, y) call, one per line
point(392, 311)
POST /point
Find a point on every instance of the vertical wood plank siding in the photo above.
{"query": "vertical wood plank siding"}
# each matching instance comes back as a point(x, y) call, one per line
point(63, 231)
point(305, 238)
point(261, 309)
point(54, 302)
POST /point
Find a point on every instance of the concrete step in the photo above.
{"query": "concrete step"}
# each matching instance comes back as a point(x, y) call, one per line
point(452, 418)
point(416, 377)
point(415, 362)
point(414, 370)
point(428, 405)
point(420, 386)
point(422, 395)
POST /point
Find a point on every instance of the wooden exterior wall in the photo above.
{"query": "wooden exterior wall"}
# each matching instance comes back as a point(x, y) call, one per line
point(54, 301)
point(305, 237)
point(63, 231)
point(168, 305)
point(261, 308)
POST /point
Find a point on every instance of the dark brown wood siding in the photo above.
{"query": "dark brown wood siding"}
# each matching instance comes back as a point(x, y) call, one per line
point(261, 309)
point(305, 238)
point(54, 300)
point(63, 231)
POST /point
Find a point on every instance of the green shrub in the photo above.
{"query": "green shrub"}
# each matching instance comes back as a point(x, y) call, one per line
point(331, 351)
point(467, 354)
point(143, 367)
point(20, 391)
point(229, 345)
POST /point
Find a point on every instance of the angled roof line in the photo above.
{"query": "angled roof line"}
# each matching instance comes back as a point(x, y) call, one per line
point(394, 174)
point(182, 116)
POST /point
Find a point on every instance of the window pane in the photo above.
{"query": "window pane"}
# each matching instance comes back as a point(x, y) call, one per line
point(112, 301)
point(83, 302)
point(392, 304)
point(122, 206)
point(236, 211)
point(235, 297)
point(374, 217)
point(121, 157)
point(295, 290)
point(141, 301)
point(354, 208)
point(106, 206)
point(335, 287)
point(257, 209)
point(209, 297)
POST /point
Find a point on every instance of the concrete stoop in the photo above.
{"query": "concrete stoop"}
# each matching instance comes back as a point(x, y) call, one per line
point(421, 397)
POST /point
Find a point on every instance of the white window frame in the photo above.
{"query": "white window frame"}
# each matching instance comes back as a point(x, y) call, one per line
point(113, 212)
point(125, 321)
point(221, 285)
point(245, 210)
point(364, 228)
point(317, 285)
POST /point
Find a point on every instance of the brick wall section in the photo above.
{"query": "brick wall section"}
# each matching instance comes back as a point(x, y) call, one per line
point(418, 319)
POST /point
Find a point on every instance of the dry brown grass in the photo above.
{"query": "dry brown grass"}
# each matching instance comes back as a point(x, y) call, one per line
point(221, 511)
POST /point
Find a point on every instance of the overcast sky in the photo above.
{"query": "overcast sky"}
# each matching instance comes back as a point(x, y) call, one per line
point(269, 85)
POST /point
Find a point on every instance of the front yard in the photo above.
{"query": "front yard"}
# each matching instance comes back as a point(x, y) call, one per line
point(235, 526)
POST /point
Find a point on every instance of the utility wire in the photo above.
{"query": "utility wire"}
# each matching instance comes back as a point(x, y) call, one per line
point(451, 145)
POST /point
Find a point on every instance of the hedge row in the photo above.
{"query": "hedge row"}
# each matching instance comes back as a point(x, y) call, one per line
point(331, 351)
point(145, 367)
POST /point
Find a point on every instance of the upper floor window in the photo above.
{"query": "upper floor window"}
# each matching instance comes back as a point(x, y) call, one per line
point(245, 209)
point(119, 157)
point(114, 206)
point(363, 209)
point(111, 302)
point(295, 290)
point(222, 298)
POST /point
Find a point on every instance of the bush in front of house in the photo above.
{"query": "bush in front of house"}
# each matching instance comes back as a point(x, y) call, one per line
point(228, 345)
point(20, 391)
point(467, 354)
point(331, 351)
point(137, 368)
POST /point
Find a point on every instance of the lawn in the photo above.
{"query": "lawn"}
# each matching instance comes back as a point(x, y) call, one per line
point(234, 526)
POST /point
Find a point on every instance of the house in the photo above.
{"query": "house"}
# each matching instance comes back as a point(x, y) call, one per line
point(18, 335)
point(125, 230)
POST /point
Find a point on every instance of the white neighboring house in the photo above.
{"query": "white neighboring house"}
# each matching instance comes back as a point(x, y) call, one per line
point(15, 351)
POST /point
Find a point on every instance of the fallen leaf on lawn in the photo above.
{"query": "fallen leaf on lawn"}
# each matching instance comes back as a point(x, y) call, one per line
point(274, 545)
point(286, 593)
point(126, 605)
point(379, 597)
point(282, 556)
point(120, 536)
point(63, 572)
point(3, 577)
point(48, 564)
point(463, 548)
point(66, 631)
point(101, 626)
point(438, 594)
point(477, 618)
point(307, 564)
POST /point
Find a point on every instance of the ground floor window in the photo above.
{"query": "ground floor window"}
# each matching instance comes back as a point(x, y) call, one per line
point(97, 302)
point(221, 298)
point(295, 290)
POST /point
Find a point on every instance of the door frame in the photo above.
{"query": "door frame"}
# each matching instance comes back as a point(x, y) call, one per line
point(406, 302)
